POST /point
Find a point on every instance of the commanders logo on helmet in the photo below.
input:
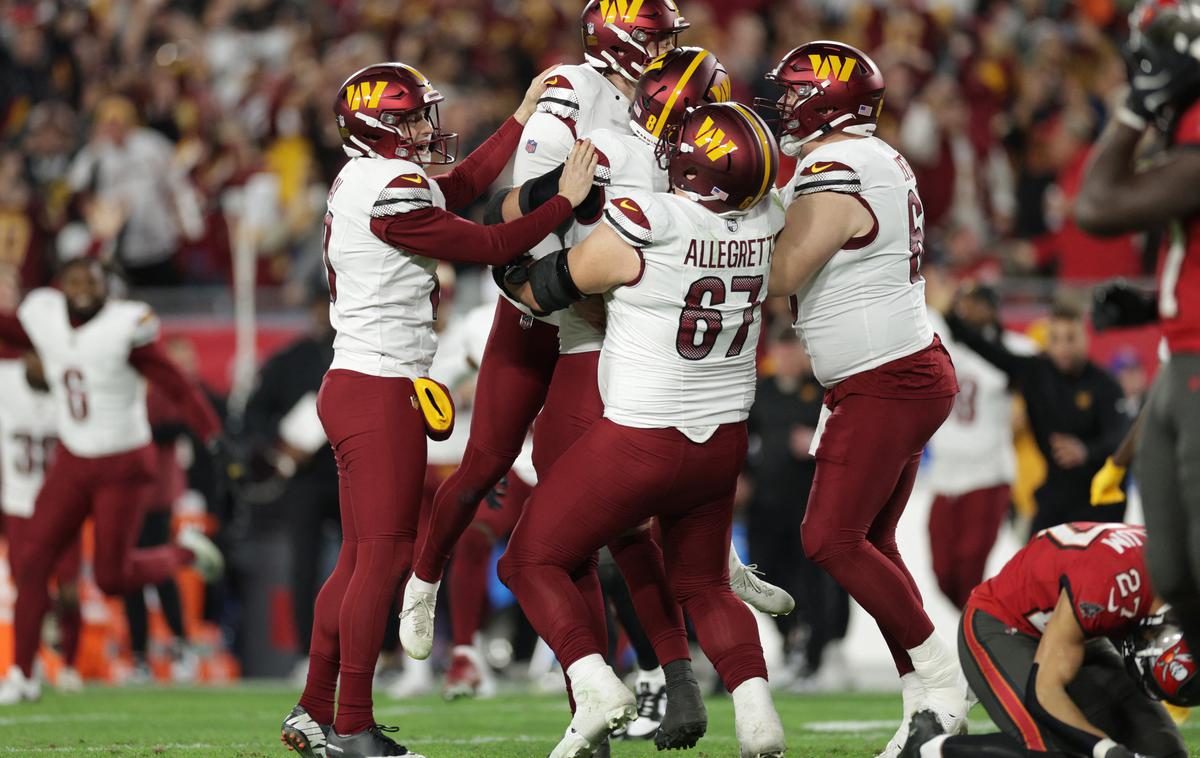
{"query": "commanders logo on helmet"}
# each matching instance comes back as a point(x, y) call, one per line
point(375, 107)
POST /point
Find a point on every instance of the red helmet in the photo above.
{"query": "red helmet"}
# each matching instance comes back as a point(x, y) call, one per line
point(616, 32)
point(673, 83)
point(1159, 659)
point(723, 156)
point(837, 87)
point(375, 109)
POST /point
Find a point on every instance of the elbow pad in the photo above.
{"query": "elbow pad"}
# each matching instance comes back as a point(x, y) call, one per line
point(493, 212)
point(537, 192)
point(552, 285)
point(1078, 739)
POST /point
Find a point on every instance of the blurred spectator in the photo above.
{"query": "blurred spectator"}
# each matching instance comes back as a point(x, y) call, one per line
point(1127, 367)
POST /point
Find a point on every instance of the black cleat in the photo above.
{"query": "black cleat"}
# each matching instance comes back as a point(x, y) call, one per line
point(685, 721)
point(304, 735)
point(371, 743)
point(924, 727)
point(604, 750)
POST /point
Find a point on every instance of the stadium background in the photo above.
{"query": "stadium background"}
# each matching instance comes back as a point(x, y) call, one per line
point(995, 105)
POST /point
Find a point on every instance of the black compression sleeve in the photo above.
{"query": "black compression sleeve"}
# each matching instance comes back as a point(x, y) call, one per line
point(551, 282)
point(1077, 739)
point(537, 192)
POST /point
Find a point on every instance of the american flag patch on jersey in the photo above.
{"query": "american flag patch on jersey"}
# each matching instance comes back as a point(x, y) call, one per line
point(531, 146)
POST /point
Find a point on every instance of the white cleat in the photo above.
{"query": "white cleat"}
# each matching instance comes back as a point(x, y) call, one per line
point(756, 722)
point(758, 594)
point(913, 694)
point(17, 688)
point(651, 693)
point(207, 558)
point(416, 618)
point(68, 680)
point(602, 704)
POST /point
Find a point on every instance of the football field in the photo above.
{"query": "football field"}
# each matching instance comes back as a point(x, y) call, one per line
point(245, 722)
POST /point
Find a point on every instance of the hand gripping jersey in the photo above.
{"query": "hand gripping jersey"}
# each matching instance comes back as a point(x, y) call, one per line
point(1101, 566)
point(578, 102)
point(384, 300)
point(1179, 266)
point(973, 449)
point(679, 350)
point(100, 398)
point(27, 439)
point(866, 306)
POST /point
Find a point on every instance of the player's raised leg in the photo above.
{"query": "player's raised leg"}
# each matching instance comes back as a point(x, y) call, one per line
point(518, 363)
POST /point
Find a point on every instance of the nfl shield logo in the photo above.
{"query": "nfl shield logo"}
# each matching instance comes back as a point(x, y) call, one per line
point(731, 224)
point(531, 146)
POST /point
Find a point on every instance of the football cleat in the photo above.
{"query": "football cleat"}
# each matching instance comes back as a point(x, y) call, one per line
point(650, 692)
point(68, 680)
point(416, 618)
point(372, 743)
point(464, 677)
point(17, 688)
point(913, 693)
point(925, 726)
point(602, 704)
point(756, 722)
point(206, 556)
point(301, 733)
point(759, 595)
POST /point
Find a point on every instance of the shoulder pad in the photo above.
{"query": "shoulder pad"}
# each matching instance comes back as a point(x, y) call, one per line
point(625, 215)
point(407, 191)
point(565, 89)
point(816, 175)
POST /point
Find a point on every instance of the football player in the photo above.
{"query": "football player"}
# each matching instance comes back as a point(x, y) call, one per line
point(385, 229)
point(27, 423)
point(1035, 643)
point(1121, 194)
point(850, 258)
point(684, 276)
point(97, 353)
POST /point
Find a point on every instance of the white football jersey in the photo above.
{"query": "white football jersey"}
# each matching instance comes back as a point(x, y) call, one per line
point(27, 439)
point(626, 164)
point(100, 398)
point(973, 449)
point(578, 101)
point(384, 300)
point(866, 306)
point(680, 346)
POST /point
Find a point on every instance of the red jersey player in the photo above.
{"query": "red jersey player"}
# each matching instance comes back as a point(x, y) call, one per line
point(1036, 645)
point(1120, 195)
point(386, 226)
point(96, 353)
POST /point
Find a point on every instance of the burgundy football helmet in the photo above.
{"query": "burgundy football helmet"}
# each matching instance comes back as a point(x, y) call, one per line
point(379, 108)
point(673, 83)
point(723, 156)
point(1159, 659)
point(616, 32)
point(828, 86)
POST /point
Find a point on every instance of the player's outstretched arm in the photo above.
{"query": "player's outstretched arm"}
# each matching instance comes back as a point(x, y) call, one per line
point(817, 226)
point(418, 227)
point(1057, 662)
point(152, 362)
point(478, 170)
point(596, 265)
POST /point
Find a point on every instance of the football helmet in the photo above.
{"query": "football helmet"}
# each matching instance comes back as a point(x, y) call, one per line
point(673, 83)
point(390, 110)
point(616, 32)
point(723, 156)
point(1159, 659)
point(828, 86)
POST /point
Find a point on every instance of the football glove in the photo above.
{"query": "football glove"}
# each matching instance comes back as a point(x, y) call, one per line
point(1106, 484)
point(1108, 749)
point(1120, 304)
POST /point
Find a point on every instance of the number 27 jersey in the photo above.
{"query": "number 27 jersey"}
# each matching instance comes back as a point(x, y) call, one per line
point(1101, 566)
point(679, 347)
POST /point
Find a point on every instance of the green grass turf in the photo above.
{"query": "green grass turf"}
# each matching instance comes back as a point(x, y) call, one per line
point(245, 722)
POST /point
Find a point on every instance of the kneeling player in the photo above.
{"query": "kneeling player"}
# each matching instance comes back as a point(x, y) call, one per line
point(676, 397)
point(1035, 644)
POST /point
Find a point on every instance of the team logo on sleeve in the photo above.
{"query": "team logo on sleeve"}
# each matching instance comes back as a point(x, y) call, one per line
point(1090, 610)
point(626, 217)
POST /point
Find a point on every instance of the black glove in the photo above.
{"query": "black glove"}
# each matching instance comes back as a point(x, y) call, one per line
point(588, 212)
point(1118, 304)
point(1162, 83)
point(1120, 751)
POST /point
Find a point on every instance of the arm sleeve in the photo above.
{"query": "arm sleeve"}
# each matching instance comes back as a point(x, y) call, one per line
point(12, 333)
point(1112, 424)
point(1016, 367)
point(152, 363)
point(479, 169)
point(435, 233)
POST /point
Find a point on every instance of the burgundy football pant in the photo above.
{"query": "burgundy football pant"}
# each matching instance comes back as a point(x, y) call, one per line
point(66, 578)
point(866, 464)
point(115, 491)
point(613, 479)
point(962, 532)
point(513, 380)
point(378, 438)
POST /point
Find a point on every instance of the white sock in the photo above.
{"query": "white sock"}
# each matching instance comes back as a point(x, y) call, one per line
point(735, 561)
point(933, 748)
point(586, 667)
point(751, 696)
point(935, 664)
point(420, 585)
